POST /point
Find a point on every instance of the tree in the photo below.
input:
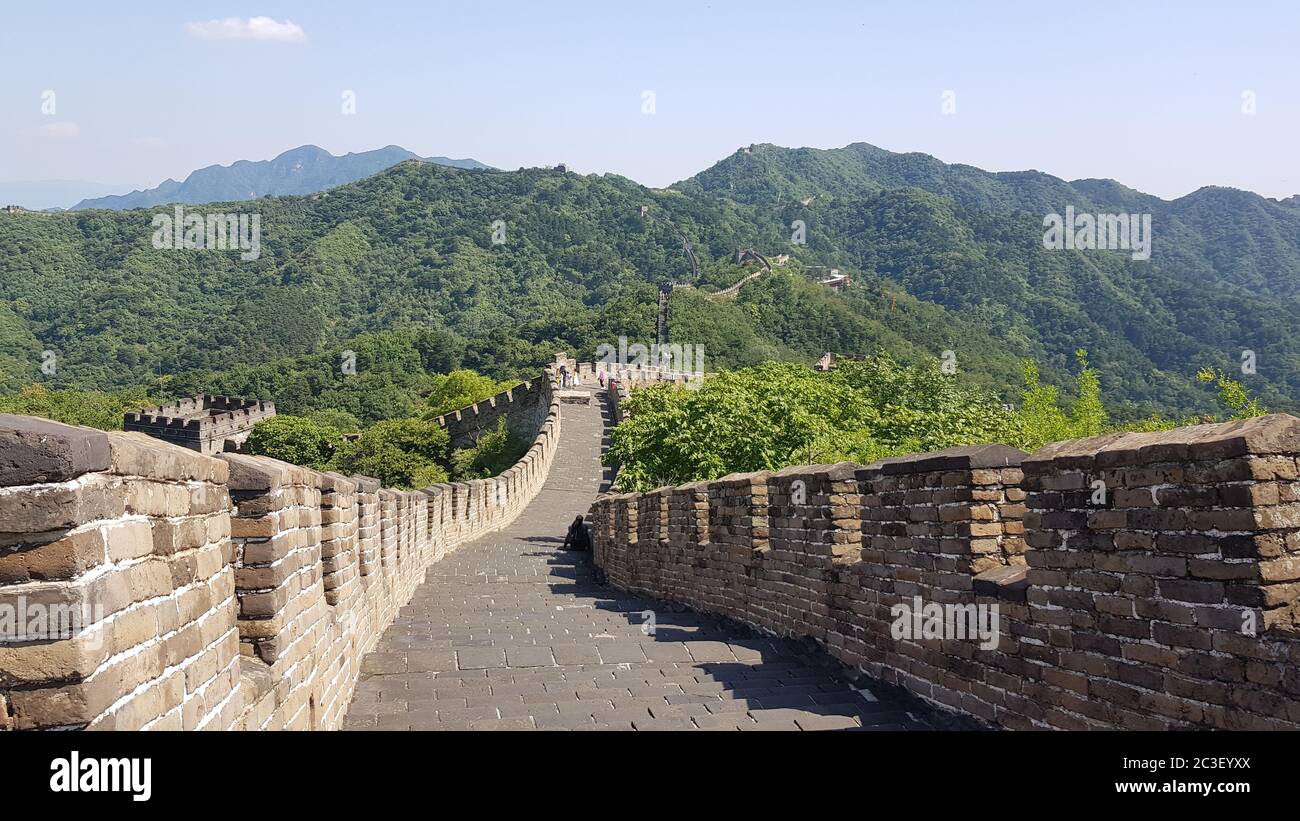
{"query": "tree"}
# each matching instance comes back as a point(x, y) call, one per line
point(492, 453)
point(1233, 395)
point(775, 415)
point(339, 420)
point(401, 453)
point(1041, 418)
point(459, 389)
point(295, 439)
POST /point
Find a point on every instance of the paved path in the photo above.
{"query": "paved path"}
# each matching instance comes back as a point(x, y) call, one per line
point(511, 633)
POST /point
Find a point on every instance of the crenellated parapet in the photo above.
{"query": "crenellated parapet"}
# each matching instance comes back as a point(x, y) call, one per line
point(1133, 581)
point(209, 423)
point(153, 586)
point(523, 406)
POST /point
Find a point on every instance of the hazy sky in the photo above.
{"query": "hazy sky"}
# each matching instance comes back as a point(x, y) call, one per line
point(1147, 93)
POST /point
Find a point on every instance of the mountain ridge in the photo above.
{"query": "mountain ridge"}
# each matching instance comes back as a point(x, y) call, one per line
point(941, 257)
point(307, 169)
point(910, 168)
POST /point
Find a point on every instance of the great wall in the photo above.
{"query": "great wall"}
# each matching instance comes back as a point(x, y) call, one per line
point(1172, 603)
point(231, 591)
point(216, 592)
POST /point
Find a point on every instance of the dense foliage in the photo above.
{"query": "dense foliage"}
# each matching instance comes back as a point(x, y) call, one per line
point(295, 439)
point(402, 270)
point(492, 453)
point(460, 389)
point(775, 415)
point(93, 409)
point(406, 452)
point(401, 453)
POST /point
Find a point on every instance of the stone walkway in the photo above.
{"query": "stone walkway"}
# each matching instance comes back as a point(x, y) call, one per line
point(511, 633)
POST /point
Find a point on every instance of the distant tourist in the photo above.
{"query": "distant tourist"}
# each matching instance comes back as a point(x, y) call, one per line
point(577, 538)
point(564, 376)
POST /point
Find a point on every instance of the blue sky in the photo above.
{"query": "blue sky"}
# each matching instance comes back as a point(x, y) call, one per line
point(1146, 93)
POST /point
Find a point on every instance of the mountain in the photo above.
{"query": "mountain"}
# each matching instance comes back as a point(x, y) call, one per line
point(41, 195)
point(1223, 277)
point(943, 258)
point(303, 170)
point(412, 247)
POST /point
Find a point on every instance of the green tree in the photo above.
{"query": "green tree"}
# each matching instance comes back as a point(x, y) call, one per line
point(1040, 418)
point(1233, 395)
point(294, 439)
point(459, 389)
point(774, 415)
point(1087, 414)
point(339, 420)
point(400, 453)
point(492, 453)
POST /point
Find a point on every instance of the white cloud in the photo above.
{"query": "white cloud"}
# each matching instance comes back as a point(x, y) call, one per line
point(254, 28)
point(60, 130)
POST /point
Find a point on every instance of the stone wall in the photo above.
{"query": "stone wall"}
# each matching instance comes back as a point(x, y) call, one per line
point(1141, 581)
point(524, 407)
point(208, 423)
point(199, 592)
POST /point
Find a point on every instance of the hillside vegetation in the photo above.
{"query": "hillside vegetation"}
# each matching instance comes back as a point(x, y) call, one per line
point(401, 270)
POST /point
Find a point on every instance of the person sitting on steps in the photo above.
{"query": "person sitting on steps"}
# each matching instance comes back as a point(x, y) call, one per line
point(577, 536)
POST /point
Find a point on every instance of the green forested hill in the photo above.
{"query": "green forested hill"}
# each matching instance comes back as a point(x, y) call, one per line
point(413, 246)
point(943, 258)
point(1224, 274)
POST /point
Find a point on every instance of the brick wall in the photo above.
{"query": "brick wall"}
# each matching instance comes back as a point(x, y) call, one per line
point(1141, 581)
point(230, 592)
point(524, 407)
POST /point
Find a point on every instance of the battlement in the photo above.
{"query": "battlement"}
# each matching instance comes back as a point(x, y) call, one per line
point(210, 592)
point(523, 406)
point(1135, 580)
point(209, 423)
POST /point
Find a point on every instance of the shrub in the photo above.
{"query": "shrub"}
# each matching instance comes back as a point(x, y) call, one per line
point(400, 453)
point(294, 439)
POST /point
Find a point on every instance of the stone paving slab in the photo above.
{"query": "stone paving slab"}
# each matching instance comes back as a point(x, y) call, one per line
point(511, 633)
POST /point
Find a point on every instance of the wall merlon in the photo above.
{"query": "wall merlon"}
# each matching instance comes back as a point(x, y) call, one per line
point(36, 451)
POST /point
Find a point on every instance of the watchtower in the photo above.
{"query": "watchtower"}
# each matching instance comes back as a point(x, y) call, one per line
point(208, 423)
